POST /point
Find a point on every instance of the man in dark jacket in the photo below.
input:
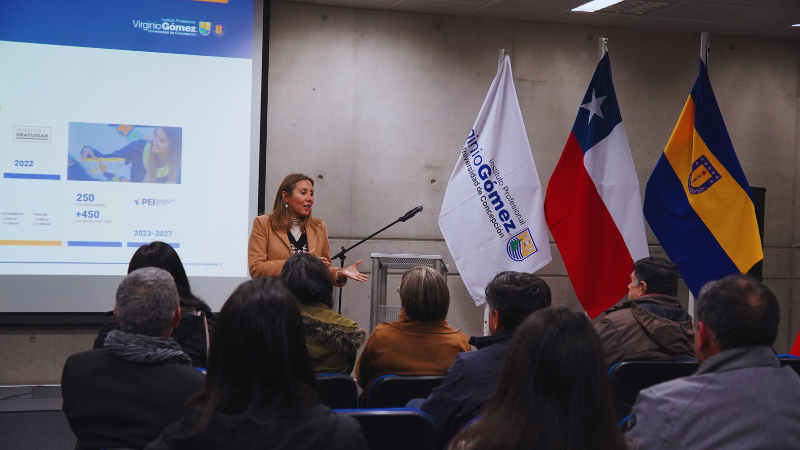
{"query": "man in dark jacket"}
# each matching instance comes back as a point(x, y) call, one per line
point(740, 397)
point(512, 296)
point(651, 325)
point(125, 394)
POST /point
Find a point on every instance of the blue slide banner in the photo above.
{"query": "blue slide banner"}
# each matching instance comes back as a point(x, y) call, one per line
point(162, 26)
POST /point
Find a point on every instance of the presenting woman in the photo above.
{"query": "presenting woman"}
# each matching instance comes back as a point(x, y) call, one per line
point(155, 161)
point(290, 229)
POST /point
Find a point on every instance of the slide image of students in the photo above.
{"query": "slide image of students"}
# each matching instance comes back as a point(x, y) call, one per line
point(151, 157)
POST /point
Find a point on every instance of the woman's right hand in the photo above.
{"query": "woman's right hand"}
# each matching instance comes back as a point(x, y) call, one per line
point(87, 152)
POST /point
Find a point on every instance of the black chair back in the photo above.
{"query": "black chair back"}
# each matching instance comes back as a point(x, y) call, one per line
point(392, 391)
point(629, 377)
point(394, 429)
point(337, 391)
point(791, 361)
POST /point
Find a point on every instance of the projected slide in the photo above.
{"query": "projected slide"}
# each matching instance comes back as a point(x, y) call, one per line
point(122, 123)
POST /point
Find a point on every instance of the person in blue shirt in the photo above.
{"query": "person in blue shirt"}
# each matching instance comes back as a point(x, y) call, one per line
point(470, 381)
point(152, 161)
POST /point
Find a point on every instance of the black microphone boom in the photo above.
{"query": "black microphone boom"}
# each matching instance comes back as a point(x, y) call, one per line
point(411, 213)
point(343, 254)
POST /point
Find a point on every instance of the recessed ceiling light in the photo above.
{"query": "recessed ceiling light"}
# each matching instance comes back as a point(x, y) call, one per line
point(595, 5)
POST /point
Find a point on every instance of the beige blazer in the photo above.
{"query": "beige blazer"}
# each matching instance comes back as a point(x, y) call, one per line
point(269, 249)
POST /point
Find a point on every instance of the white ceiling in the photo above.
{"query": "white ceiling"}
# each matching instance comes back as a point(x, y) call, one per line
point(764, 18)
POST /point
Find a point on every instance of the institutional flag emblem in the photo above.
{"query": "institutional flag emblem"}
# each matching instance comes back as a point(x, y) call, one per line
point(703, 176)
point(219, 29)
point(521, 245)
point(205, 28)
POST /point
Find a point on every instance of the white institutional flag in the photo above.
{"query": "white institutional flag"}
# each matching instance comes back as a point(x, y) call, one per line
point(492, 216)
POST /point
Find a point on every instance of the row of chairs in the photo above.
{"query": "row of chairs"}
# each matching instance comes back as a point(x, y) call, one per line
point(389, 391)
point(387, 424)
point(628, 378)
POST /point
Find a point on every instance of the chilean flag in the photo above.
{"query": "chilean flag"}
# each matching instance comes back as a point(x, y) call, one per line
point(593, 203)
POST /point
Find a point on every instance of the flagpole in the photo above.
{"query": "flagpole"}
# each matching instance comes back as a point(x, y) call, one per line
point(705, 46)
point(603, 48)
point(501, 58)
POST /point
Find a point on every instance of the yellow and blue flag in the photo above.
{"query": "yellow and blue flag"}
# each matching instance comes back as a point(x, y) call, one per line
point(697, 201)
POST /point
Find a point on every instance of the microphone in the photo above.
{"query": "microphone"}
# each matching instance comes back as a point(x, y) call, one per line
point(411, 213)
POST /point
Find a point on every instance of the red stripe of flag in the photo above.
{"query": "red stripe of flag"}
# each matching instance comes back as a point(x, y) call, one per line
point(598, 261)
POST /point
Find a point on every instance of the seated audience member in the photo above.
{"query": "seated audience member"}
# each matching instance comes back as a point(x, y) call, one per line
point(651, 325)
point(420, 342)
point(124, 394)
point(259, 391)
point(332, 339)
point(552, 392)
point(197, 320)
point(512, 297)
point(740, 397)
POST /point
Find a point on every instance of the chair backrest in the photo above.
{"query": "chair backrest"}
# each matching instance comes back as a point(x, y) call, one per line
point(393, 391)
point(791, 361)
point(337, 391)
point(394, 428)
point(627, 378)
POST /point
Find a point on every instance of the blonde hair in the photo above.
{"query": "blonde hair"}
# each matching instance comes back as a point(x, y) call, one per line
point(174, 163)
point(424, 294)
point(280, 220)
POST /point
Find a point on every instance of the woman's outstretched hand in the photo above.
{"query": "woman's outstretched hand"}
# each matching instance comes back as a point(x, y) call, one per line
point(353, 273)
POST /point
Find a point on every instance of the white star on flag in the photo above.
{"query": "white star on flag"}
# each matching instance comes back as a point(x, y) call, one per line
point(594, 107)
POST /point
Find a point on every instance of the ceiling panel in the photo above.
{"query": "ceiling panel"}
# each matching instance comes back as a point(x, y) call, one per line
point(366, 4)
point(696, 11)
point(653, 23)
point(788, 4)
point(439, 7)
point(592, 19)
point(784, 33)
point(768, 18)
point(739, 2)
point(536, 10)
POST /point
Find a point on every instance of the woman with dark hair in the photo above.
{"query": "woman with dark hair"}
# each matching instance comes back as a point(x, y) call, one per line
point(291, 228)
point(332, 339)
point(197, 320)
point(420, 342)
point(259, 390)
point(552, 394)
point(157, 160)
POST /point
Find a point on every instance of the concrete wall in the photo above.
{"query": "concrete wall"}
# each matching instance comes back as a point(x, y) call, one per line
point(375, 105)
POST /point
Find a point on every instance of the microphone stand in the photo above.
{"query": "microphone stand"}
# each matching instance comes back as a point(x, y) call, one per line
point(343, 254)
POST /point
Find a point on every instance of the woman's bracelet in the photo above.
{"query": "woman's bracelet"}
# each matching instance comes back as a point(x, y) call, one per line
point(338, 273)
